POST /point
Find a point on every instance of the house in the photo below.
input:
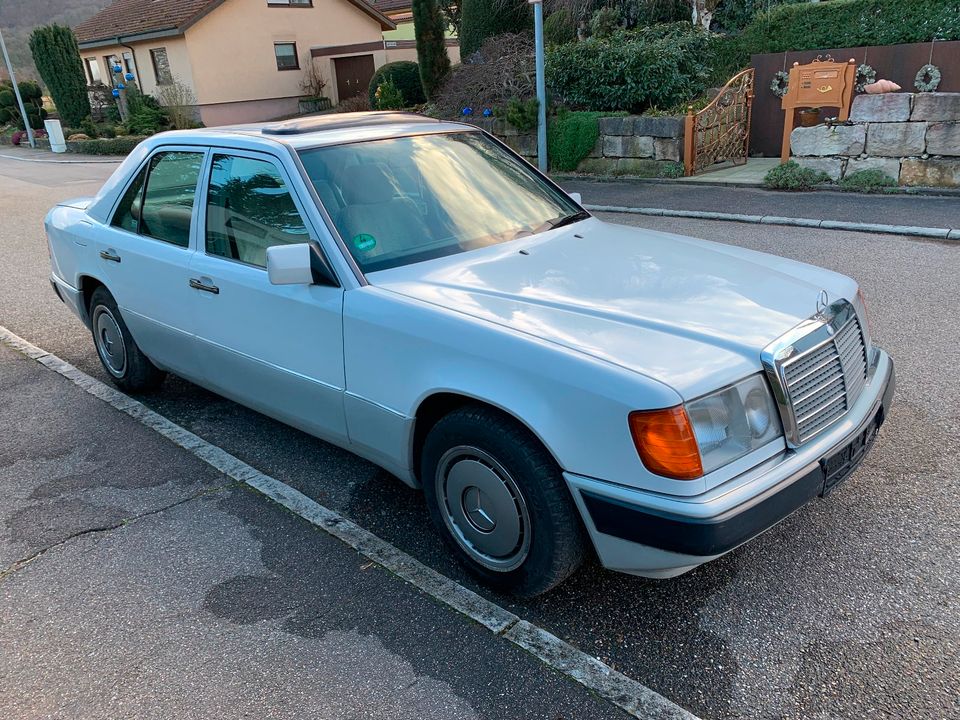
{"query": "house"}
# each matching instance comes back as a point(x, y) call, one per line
point(243, 60)
point(400, 41)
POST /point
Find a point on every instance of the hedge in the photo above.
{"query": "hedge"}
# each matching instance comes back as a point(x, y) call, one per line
point(631, 70)
point(405, 75)
point(852, 23)
point(570, 138)
point(105, 146)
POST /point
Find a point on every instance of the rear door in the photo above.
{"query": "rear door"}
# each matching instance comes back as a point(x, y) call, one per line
point(276, 348)
point(144, 255)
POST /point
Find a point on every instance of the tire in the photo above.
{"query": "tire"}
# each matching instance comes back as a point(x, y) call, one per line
point(500, 502)
point(123, 361)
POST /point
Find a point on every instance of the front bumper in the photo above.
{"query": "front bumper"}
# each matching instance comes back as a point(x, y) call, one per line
point(656, 535)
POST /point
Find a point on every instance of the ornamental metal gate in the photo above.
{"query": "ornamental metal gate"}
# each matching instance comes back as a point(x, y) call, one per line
point(721, 131)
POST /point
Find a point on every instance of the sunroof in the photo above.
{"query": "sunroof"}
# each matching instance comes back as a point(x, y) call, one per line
point(336, 121)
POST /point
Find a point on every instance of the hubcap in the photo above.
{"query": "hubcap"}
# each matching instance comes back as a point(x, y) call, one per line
point(109, 341)
point(483, 509)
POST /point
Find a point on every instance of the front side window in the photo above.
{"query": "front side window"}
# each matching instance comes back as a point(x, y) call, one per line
point(168, 198)
point(161, 66)
point(249, 208)
point(286, 54)
point(407, 199)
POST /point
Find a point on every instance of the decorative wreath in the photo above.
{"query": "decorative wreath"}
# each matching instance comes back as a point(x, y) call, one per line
point(865, 76)
point(779, 84)
point(928, 78)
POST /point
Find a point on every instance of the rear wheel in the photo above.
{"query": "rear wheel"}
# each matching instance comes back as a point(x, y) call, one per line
point(127, 366)
point(499, 500)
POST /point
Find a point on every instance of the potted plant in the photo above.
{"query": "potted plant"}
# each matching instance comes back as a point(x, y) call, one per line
point(809, 117)
point(313, 84)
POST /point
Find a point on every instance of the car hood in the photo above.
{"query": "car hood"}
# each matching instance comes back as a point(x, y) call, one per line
point(689, 313)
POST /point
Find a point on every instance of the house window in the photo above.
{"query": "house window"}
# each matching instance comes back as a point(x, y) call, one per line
point(112, 61)
point(290, 3)
point(286, 56)
point(128, 62)
point(161, 66)
point(93, 71)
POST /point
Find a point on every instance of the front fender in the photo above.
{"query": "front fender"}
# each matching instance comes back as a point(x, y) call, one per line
point(399, 351)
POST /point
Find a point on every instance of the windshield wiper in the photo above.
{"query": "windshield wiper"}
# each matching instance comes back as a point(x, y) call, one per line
point(569, 219)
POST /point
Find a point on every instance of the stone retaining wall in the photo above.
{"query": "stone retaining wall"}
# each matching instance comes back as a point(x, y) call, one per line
point(628, 145)
point(913, 138)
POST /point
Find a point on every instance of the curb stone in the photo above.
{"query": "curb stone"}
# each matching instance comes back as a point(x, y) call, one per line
point(915, 231)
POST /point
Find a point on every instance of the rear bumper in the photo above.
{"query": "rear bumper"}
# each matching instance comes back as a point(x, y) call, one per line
point(71, 297)
point(659, 536)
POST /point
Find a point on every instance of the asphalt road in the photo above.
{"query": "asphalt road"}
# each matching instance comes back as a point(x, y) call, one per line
point(898, 209)
point(848, 609)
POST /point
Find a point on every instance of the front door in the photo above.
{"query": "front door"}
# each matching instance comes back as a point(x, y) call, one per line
point(275, 348)
point(353, 75)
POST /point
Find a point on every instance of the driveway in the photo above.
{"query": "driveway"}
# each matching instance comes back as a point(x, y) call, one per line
point(847, 609)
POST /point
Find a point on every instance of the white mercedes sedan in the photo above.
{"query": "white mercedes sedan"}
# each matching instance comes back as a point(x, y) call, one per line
point(415, 292)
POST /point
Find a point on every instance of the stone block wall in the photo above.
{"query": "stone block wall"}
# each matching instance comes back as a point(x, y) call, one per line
point(912, 137)
point(627, 145)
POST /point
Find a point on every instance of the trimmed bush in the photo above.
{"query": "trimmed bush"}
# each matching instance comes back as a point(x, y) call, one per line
point(559, 27)
point(791, 176)
point(483, 19)
point(429, 27)
point(32, 98)
point(57, 58)
point(405, 74)
point(868, 181)
point(113, 146)
point(570, 138)
point(631, 70)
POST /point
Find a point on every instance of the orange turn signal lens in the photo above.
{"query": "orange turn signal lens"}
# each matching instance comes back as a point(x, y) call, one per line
point(666, 443)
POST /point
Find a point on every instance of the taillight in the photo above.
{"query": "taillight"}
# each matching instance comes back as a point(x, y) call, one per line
point(666, 443)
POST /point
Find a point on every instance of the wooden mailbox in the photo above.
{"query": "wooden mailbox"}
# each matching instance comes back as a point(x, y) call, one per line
point(821, 83)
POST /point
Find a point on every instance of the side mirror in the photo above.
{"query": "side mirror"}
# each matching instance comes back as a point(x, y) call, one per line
point(299, 264)
point(576, 197)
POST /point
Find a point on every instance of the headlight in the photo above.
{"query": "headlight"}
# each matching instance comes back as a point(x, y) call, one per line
point(688, 441)
point(734, 421)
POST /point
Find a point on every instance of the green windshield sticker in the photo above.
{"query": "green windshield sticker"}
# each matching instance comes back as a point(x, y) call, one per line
point(364, 242)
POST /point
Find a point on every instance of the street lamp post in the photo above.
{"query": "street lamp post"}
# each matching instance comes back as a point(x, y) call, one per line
point(16, 91)
point(541, 86)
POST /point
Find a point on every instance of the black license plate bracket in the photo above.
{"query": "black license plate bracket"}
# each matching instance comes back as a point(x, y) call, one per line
point(839, 466)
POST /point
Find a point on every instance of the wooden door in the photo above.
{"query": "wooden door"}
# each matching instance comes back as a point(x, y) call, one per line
point(353, 75)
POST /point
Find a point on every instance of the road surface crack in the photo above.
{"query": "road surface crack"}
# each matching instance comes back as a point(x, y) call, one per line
point(23, 562)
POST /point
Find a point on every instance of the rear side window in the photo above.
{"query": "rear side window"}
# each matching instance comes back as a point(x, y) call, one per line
point(168, 198)
point(127, 215)
point(249, 208)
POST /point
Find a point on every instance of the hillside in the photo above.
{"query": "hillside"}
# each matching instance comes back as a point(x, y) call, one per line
point(18, 18)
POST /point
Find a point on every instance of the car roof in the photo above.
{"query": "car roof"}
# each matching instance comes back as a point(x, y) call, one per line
point(328, 129)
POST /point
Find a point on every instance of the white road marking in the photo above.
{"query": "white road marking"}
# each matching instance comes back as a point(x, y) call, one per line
point(635, 698)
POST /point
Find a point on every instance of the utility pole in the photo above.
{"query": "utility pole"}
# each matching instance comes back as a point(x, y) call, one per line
point(16, 91)
point(541, 86)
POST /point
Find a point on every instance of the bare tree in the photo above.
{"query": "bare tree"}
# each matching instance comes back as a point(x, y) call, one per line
point(702, 12)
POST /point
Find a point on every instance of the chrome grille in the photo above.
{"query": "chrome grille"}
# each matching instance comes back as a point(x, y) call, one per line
point(826, 380)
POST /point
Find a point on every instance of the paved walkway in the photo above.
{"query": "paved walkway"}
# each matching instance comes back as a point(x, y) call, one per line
point(28, 154)
point(750, 173)
point(912, 210)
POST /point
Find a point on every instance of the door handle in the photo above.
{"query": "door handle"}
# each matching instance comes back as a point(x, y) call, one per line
point(197, 285)
point(110, 255)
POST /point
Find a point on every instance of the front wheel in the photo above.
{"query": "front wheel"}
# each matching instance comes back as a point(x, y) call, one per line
point(127, 366)
point(499, 500)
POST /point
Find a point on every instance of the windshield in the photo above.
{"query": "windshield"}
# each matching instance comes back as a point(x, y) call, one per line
point(403, 200)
